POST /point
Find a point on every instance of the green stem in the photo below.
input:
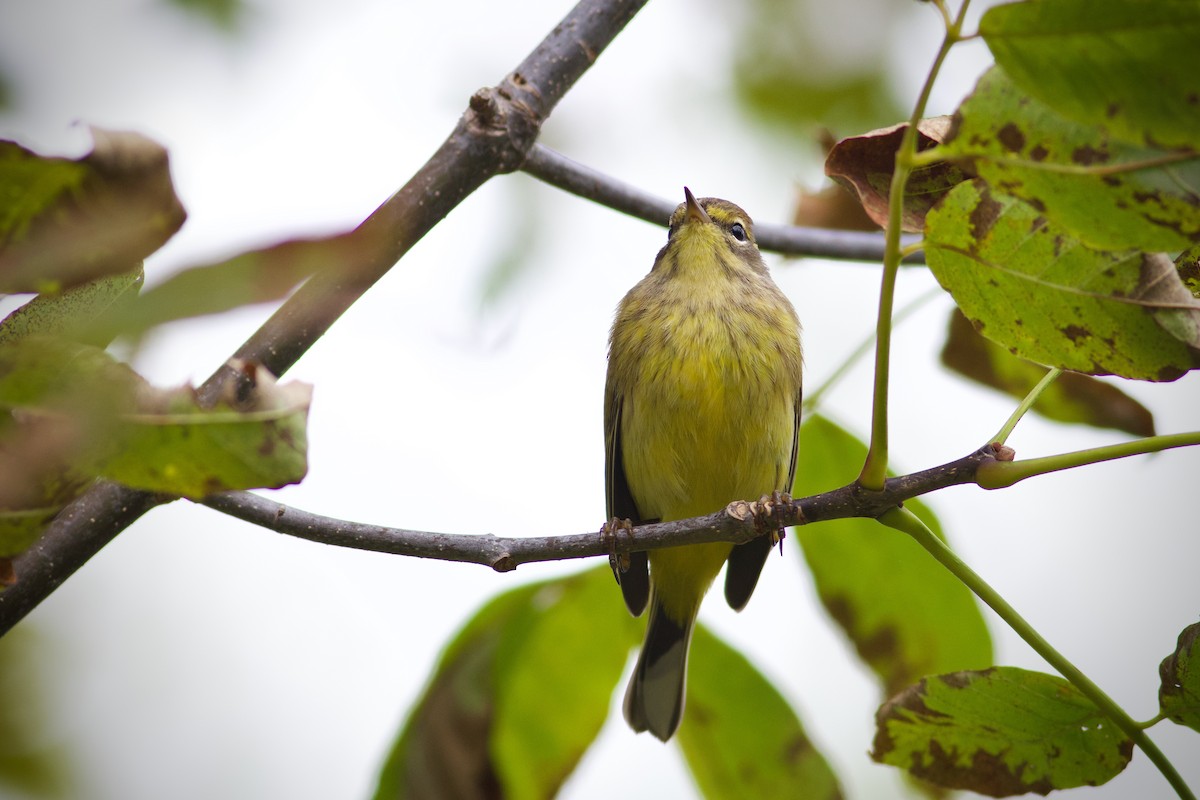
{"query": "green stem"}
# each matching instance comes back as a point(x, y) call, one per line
point(874, 471)
point(1002, 474)
point(905, 521)
point(813, 399)
point(1002, 435)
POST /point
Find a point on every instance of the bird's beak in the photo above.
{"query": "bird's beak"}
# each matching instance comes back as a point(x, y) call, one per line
point(694, 211)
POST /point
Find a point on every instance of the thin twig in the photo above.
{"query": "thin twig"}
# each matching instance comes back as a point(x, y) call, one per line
point(559, 171)
point(738, 522)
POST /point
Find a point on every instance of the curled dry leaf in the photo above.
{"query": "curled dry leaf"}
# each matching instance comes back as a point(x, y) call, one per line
point(864, 164)
point(71, 221)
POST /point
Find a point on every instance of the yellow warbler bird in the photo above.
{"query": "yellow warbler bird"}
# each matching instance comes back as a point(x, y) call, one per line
point(701, 408)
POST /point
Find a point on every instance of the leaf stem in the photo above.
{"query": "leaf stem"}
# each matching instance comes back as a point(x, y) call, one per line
point(1002, 474)
point(1006, 430)
point(905, 521)
point(874, 471)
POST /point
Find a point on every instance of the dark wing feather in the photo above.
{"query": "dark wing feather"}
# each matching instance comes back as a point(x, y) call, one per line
point(634, 581)
point(746, 561)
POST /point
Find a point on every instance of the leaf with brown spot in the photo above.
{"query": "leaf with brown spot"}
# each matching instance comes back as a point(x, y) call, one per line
point(1106, 193)
point(864, 165)
point(999, 732)
point(739, 735)
point(1187, 264)
point(1032, 288)
point(66, 221)
point(1071, 398)
point(904, 613)
point(170, 443)
point(1179, 690)
point(1127, 66)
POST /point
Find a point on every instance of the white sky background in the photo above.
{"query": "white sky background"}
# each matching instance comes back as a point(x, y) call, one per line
point(198, 656)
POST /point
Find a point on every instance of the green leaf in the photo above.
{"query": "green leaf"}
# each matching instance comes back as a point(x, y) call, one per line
point(58, 400)
point(443, 750)
point(905, 614)
point(789, 69)
point(1188, 265)
point(257, 276)
point(1027, 285)
point(173, 445)
point(517, 696)
point(1127, 65)
point(1071, 398)
point(33, 761)
point(225, 14)
point(77, 414)
point(740, 736)
point(1106, 193)
point(20, 528)
point(1179, 692)
point(1000, 732)
point(555, 679)
point(66, 222)
point(71, 312)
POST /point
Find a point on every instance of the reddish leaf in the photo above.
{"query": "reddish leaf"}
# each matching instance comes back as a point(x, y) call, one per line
point(864, 164)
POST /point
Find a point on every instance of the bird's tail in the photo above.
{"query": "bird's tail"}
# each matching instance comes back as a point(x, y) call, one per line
point(654, 699)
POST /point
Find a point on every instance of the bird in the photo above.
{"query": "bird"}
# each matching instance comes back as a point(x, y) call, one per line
point(701, 408)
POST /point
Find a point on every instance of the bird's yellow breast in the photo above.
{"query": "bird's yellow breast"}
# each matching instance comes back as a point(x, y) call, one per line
point(710, 416)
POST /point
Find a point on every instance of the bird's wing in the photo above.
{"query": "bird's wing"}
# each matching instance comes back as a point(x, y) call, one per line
point(746, 561)
point(635, 580)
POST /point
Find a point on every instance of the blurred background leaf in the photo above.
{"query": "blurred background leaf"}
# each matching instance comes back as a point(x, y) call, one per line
point(905, 614)
point(518, 695)
point(65, 221)
point(801, 66)
point(32, 765)
point(740, 736)
point(225, 15)
point(1071, 398)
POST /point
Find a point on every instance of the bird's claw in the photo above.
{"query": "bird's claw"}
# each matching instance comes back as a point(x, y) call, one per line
point(610, 533)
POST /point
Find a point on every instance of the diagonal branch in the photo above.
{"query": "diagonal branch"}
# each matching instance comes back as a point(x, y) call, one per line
point(739, 522)
point(492, 137)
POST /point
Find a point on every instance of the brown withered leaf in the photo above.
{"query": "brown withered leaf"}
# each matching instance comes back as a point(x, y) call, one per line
point(864, 164)
point(73, 220)
point(1071, 398)
point(832, 208)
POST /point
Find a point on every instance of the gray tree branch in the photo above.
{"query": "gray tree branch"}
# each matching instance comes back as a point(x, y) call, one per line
point(738, 522)
point(492, 137)
point(559, 171)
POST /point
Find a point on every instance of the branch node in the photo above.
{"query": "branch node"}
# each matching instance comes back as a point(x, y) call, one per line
point(741, 511)
point(1002, 452)
point(504, 563)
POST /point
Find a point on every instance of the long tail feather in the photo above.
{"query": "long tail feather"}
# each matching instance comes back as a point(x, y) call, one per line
point(654, 699)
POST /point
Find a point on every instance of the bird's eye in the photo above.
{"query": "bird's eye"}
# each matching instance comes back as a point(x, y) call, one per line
point(738, 231)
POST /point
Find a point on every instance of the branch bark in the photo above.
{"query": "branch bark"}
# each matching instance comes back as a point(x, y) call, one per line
point(492, 137)
point(738, 522)
point(792, 240)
